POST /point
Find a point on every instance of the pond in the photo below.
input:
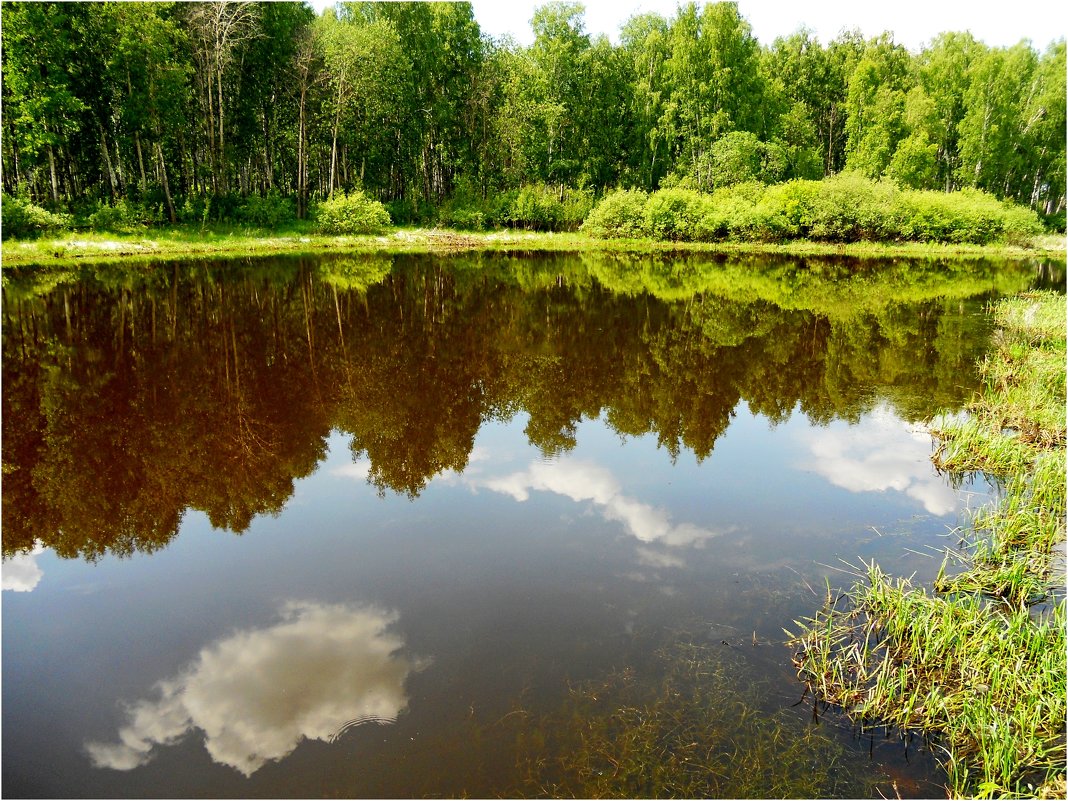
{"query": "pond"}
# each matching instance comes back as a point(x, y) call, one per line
point(476, 525)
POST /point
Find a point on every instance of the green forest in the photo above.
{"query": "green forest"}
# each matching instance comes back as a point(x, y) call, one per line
point(256, 112)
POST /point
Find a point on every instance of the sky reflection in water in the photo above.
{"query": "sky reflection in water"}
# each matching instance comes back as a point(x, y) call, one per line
point(257, 693)
point(879, 453)
point(21, 573)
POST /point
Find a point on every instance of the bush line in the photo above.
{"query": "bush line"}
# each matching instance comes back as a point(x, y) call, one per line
point(843, 208)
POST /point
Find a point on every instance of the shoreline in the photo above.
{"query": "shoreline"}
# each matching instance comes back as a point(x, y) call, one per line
point(979, 662)
point(194, 243)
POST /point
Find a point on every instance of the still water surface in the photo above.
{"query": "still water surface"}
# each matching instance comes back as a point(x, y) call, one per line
point(472, 525)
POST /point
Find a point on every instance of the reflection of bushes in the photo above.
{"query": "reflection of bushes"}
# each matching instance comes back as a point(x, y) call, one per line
point(691, 726)
point(355, 274)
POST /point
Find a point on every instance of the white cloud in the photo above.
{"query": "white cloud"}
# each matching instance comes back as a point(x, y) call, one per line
point(653, 558)
point(21, 573)
point(881, 453)
point(588, 482)
point(257, 693)
point(357, 471)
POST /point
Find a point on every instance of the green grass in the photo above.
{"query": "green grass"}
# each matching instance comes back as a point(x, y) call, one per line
point(979, 665)
point(208, 241)
point(1016, 432)
point(985, 681)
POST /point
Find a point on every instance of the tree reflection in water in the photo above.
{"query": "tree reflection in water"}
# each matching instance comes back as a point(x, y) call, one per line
point(132, 394)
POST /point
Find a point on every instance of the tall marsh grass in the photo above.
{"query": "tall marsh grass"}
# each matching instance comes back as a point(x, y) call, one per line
point(986, 682)
point(980, 665)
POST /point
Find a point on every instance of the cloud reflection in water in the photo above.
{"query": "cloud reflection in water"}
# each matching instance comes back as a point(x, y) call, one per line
point(257, 693)
point(21, 573)
point(585, 481)
point(881, 453)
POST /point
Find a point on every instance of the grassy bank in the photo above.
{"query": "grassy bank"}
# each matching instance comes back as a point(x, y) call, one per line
point(979, 664)
point(221, 240)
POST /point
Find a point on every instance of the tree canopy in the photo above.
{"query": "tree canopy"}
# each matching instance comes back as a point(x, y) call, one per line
point(186, 108)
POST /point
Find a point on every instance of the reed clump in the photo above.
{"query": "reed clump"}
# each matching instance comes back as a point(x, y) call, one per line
point(984, 681)
point(980, 664)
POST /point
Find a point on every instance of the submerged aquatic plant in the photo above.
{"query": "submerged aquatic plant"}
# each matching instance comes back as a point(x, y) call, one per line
point(698, 730)
point(981, 665)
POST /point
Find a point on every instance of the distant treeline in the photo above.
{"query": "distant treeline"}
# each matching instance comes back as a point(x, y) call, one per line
point(183, 111)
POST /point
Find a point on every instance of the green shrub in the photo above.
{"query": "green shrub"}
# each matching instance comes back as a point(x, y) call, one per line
point(123, 217)
point(352, 213)
point(269, 211)
point(223, 207)
point(851, 208)
point(926, 217)
point(842, 208)
point(405, 211)
point(207, 208)
point(1055, 223)
point(497, 208)
point(534, 207)
point(796, 203)
point(732, 213)
point(464, 218)
point(1019, 224)
point(194, 209)
point(764, 222)
point(543, 208)
point(463, 211)
point(401, 211)
point(677, 214)
point(577, 205)
point(619, 214)
point(967, 216)
point(20, 218)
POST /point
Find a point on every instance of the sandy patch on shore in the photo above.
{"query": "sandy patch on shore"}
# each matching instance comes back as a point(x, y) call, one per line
point(110, 244)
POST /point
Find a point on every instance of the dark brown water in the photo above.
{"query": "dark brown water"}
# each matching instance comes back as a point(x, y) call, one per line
point(489, 526)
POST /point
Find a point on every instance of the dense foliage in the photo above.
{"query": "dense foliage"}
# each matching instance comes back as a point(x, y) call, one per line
point(844, 208)
point(184, 112)
point(352, 213)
